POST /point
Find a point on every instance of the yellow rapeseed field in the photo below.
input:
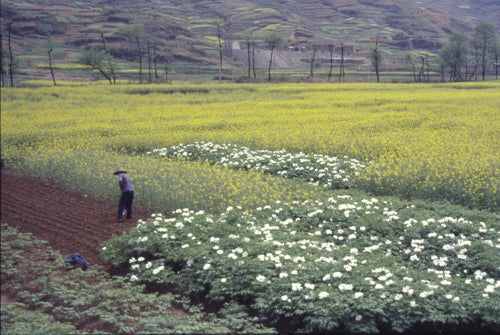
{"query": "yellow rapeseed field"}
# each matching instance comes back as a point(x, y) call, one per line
point(436, 141)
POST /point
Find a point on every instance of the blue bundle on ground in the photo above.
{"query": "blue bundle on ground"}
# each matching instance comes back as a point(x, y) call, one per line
point(77, 259)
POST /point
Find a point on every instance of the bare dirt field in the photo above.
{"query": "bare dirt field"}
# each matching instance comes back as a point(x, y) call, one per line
point(70, 222)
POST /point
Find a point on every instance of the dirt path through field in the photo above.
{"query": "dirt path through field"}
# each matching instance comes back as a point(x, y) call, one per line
point(70, 222)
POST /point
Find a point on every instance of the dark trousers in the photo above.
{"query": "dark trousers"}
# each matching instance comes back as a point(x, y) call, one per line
point(126, 203)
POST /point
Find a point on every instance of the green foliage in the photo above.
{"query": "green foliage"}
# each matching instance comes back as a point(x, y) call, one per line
point(16, 319)
point(343, 263)
point(453, 55)
point(67, 301)
point(97, 61)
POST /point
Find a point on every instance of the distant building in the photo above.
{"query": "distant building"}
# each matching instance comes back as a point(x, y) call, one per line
point(323, 47)
point(293, 56)
point(348, 48)
point(327, 47)
point(228, 47)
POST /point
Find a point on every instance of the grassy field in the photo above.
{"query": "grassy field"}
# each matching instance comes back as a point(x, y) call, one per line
point(378, 199)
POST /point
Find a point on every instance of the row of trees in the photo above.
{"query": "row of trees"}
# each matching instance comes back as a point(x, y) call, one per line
point(454, 57)
point(461, 58)
point(101, 60)
point(273, 40)
point(459, 54)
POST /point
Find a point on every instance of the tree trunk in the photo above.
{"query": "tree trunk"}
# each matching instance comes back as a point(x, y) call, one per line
point(248, 47)
point(496, 62)
point(50, 67)
point(270, 62)
point(105, 75)
point(2, 69)
point(427, 66)
point(331, 63)
point(220, 54)
point(154, 63)
point(483, 60)
point(140, 58)
point(150, 77)
point(477, 61)
point(253, 61)
point(108, 55)
point(421, 72)
point(377, 61)
point(312, 63)
point(341, 71)
point(11, 56)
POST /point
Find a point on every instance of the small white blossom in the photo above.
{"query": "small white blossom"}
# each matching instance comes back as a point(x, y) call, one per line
point(323, 295)
point(260, 278)
point(158, 269)
point(345, 287)
point(337, 274)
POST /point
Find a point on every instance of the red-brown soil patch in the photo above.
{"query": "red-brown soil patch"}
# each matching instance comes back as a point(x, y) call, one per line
point(70, 222)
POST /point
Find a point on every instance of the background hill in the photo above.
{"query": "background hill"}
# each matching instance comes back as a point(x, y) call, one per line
point(184, 31)
point(471, 10)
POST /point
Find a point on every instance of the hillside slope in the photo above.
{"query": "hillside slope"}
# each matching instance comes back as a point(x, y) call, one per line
point(471, 10)
point(184, 29)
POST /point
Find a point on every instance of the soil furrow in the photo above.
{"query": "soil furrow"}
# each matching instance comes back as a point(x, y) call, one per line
point(70, 222)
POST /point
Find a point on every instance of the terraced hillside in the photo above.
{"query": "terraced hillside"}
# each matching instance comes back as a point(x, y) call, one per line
point(471, 10)
point(185, 29)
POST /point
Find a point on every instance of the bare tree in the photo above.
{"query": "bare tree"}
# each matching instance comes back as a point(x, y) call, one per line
point(496, 51)
point(134, 33)
point(315, 49)
point(476, 62)
point(111, 65)
point(155, 55)
point(168, 67)
point(11, 56)
point(2, 69)
point(342, 63)
point(331, 47)
point(150, 58)
point(484, 36)
point(249, 40)
point(272, 39)
point(376, 57)
point(410, 61)
point(50, 62)
point(253, 61)
point(423, 75)
point(218, 24)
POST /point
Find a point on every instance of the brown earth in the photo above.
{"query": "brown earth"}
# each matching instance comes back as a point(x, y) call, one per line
point(70, 222)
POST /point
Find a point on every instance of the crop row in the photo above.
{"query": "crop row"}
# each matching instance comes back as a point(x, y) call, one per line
point(427, 141)
point(345, 263)
point(44, 296)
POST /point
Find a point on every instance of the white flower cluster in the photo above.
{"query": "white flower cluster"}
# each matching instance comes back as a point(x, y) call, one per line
point(300, 239)
point(320, 170)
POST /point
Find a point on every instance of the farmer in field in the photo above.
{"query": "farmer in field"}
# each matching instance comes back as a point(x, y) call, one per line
point(127, 196)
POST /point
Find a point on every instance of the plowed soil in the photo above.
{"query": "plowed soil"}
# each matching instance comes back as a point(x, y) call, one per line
point(70, 222)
